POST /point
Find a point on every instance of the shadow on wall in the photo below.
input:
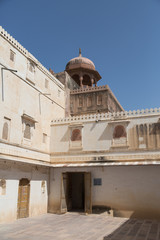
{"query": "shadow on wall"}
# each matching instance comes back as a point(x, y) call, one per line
point(16, 170)
point(65, 137)
point(106, 135)
point(134, 229)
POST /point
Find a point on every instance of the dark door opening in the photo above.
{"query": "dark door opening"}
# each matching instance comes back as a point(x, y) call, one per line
point(76, 192)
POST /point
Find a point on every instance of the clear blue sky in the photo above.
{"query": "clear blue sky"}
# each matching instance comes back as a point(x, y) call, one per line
point(121, 37)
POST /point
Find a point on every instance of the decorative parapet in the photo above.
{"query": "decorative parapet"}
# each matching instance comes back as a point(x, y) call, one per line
point(14, 42)
point(89, 89)
point(96, 89)
point(109, 116)
point(25, 52)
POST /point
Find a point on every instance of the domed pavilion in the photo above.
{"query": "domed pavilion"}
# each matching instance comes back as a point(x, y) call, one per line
point(83, 71)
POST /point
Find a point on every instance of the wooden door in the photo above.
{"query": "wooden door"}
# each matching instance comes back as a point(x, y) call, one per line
point(23, 198)
point(88, 192)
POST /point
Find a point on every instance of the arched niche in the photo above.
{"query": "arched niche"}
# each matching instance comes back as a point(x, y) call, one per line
point(119, 132)
point(86, 80)
point(76, 135)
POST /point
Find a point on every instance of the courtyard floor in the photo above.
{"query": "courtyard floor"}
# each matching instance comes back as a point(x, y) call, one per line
point(76, 226)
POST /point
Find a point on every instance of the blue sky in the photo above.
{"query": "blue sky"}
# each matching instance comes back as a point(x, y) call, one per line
point(121, 37)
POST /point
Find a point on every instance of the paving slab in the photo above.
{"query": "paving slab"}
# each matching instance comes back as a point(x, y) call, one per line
point(78, 226)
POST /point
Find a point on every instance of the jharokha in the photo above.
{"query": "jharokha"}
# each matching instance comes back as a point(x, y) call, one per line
point(67, 144)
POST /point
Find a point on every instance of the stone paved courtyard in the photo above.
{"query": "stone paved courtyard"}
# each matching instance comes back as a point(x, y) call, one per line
point(77, 226)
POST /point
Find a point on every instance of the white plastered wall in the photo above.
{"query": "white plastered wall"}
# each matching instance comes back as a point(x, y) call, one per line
point(130, 191)
point(38, 200)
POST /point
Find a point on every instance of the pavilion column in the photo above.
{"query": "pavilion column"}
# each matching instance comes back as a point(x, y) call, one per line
point(81, 81)
point(92, 82)
point(95, 83)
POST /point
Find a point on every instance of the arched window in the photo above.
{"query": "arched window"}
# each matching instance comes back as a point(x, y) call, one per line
point(27, 131)
point(119, 132)
point(76, 135)
point(86, 80)
point(5, 131)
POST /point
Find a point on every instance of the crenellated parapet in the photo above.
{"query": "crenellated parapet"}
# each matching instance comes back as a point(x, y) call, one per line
point(109, 116)
point(12, 40)
point(27, 54)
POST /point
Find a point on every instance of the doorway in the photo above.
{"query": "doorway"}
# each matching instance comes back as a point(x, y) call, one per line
point(23, 198)
point(76, 192)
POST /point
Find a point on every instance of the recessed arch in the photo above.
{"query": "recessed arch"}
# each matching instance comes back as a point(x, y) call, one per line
point(86, 80)
point(76, 78)
point(119, 132)
point(76, 135)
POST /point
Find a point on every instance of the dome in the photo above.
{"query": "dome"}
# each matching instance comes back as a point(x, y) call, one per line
point(80, 62)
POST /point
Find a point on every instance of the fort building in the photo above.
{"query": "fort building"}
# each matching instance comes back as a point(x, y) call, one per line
point(67, 144)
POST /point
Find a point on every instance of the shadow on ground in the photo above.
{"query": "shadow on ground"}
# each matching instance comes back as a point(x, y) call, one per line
point(134, 229)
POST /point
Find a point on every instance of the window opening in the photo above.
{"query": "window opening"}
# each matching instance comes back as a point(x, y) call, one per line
point(27, 131)
point(12, 56)
point(5, 131)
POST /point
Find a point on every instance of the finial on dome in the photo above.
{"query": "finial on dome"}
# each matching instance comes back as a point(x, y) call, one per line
point(80, 54)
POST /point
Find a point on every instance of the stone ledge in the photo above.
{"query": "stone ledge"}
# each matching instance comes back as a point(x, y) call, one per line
point(89, 89)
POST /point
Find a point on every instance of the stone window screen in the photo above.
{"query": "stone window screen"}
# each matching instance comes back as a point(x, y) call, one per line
point(76, 135)
point(2, 187)
point(27, 131)
point(28, 128)
point(119, 132)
